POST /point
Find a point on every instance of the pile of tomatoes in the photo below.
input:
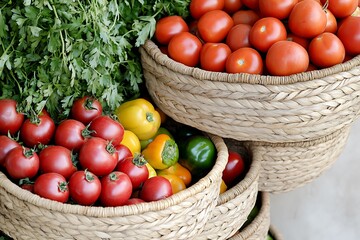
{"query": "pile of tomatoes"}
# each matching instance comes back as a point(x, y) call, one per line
point(262, 36)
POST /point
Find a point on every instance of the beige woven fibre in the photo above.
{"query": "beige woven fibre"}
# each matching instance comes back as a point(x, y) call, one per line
point(276, 235)
point(250, 107)
point(234, 205)
point(259, 227)
point(286, 166)
point(24, 215)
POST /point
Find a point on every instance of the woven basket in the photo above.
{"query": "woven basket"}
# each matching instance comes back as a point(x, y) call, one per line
point(259, 227)
point(276, 235)
point(250, 107)
point(24, 215)
point(235, 204)
point(286, 166)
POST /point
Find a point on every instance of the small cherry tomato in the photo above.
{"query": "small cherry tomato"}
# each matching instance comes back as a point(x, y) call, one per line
point(135, 168)
point(200, 7)
point(214, 26)
point(185, 48)
point(107, 128)
point(52, 186)
point(244, 60)
point(349, 34)
point(84, 187)
point(85, 109)
point(155, 188)
point(71, 134)
point(6, 145)
point(213, 56)
point(10, 119)
point(169, 26)
point(238, 36)
point(22, 162)
point(116, 189)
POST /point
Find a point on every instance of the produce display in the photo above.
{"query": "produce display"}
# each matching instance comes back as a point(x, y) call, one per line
point(277, 38)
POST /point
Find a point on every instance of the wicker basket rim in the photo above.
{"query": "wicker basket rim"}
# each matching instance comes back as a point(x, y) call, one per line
point(98, 211)
point(154, 52)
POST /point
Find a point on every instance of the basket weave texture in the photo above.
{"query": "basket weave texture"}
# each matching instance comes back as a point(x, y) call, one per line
point(259, 226)
point(286, 166)
point(275, 233)
point(235, 204)
point(250, 107)
point(24, 215)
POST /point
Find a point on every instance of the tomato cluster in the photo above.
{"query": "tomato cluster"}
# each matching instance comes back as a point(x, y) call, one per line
point(271, 37)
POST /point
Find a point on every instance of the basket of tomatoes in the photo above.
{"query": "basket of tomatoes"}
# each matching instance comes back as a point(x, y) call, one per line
point(93, 176)
point(258, 71)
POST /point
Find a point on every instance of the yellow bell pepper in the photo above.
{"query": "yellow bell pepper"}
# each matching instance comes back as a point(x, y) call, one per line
point(152, 172)
point(140, 117)
point(161, 153)
point(131, 141)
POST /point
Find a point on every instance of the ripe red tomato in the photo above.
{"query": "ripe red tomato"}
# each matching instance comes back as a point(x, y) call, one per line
point(169, 26)
point(285, 58)
point(123, 152)
point(71, 134)
point(279, 9)
point(135, 168)
point(232, 6)
point(116, 189)
point(85, 109)
point(304, 42)
point(200, 7)
point(41, 130)
point(134, 200)
point(84, 187)
point(326, 50)
point(307, 19)
point(213, 56)
point(26, 184)
point(213, 26)
point(349, 34)
point(57, 159)
point(107, 128)
point(234, 169)
point(6, 145)
point(238, 36)
point(185, 48)
point(245, 16)
point(265, 32)
point(98, 156)
point(331, 22)
point(155, 188)
point(244, 60)
point(252, 4)
point(10, 119)
point(342, 8)
point(52, 186)
point(22, 162)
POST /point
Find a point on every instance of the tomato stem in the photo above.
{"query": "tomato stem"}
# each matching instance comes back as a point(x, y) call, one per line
point(89, 177)
point(62, 186)
point(110, 148)
point(28, 152)
point(113, 176)
point(89, 104)
point(139, 160)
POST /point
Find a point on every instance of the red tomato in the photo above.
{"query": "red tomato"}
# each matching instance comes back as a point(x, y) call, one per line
point(285, 58)
point(307, 19)
point(244, 60)
point(57, 159)
point(349, 34)
point(98, 156)
point(123, 152)
point(331, 22)
point(71, 134)
point(169, 26)
point(245, 17)
point(85, 109)
point(52, 186)
point(265, 32)
point(155, 188)
point(252, 4)
point(238, 36)
point(41, 130)
point(200, 7)
point(29, 186)
point(342, 8)
point(22, 162)
point(185, 48)
point(234, 169)
point(232, 6)
point(107, 128)
point(116, 189)
point(279, 9)
point(326, 50)
point(304, 42)
point(134, 200)
point(84, 187)
point(213, 26)
point(6, 145)
point(10, 119)
point(135, 168)
point(213, 56)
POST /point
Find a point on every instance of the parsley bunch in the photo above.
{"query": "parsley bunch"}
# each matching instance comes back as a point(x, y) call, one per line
point(54, 51)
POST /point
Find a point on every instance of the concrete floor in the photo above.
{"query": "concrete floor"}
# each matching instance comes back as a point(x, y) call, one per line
point(327, 208)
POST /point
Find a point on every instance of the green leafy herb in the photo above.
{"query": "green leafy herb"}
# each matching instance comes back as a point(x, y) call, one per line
point(54, 51)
